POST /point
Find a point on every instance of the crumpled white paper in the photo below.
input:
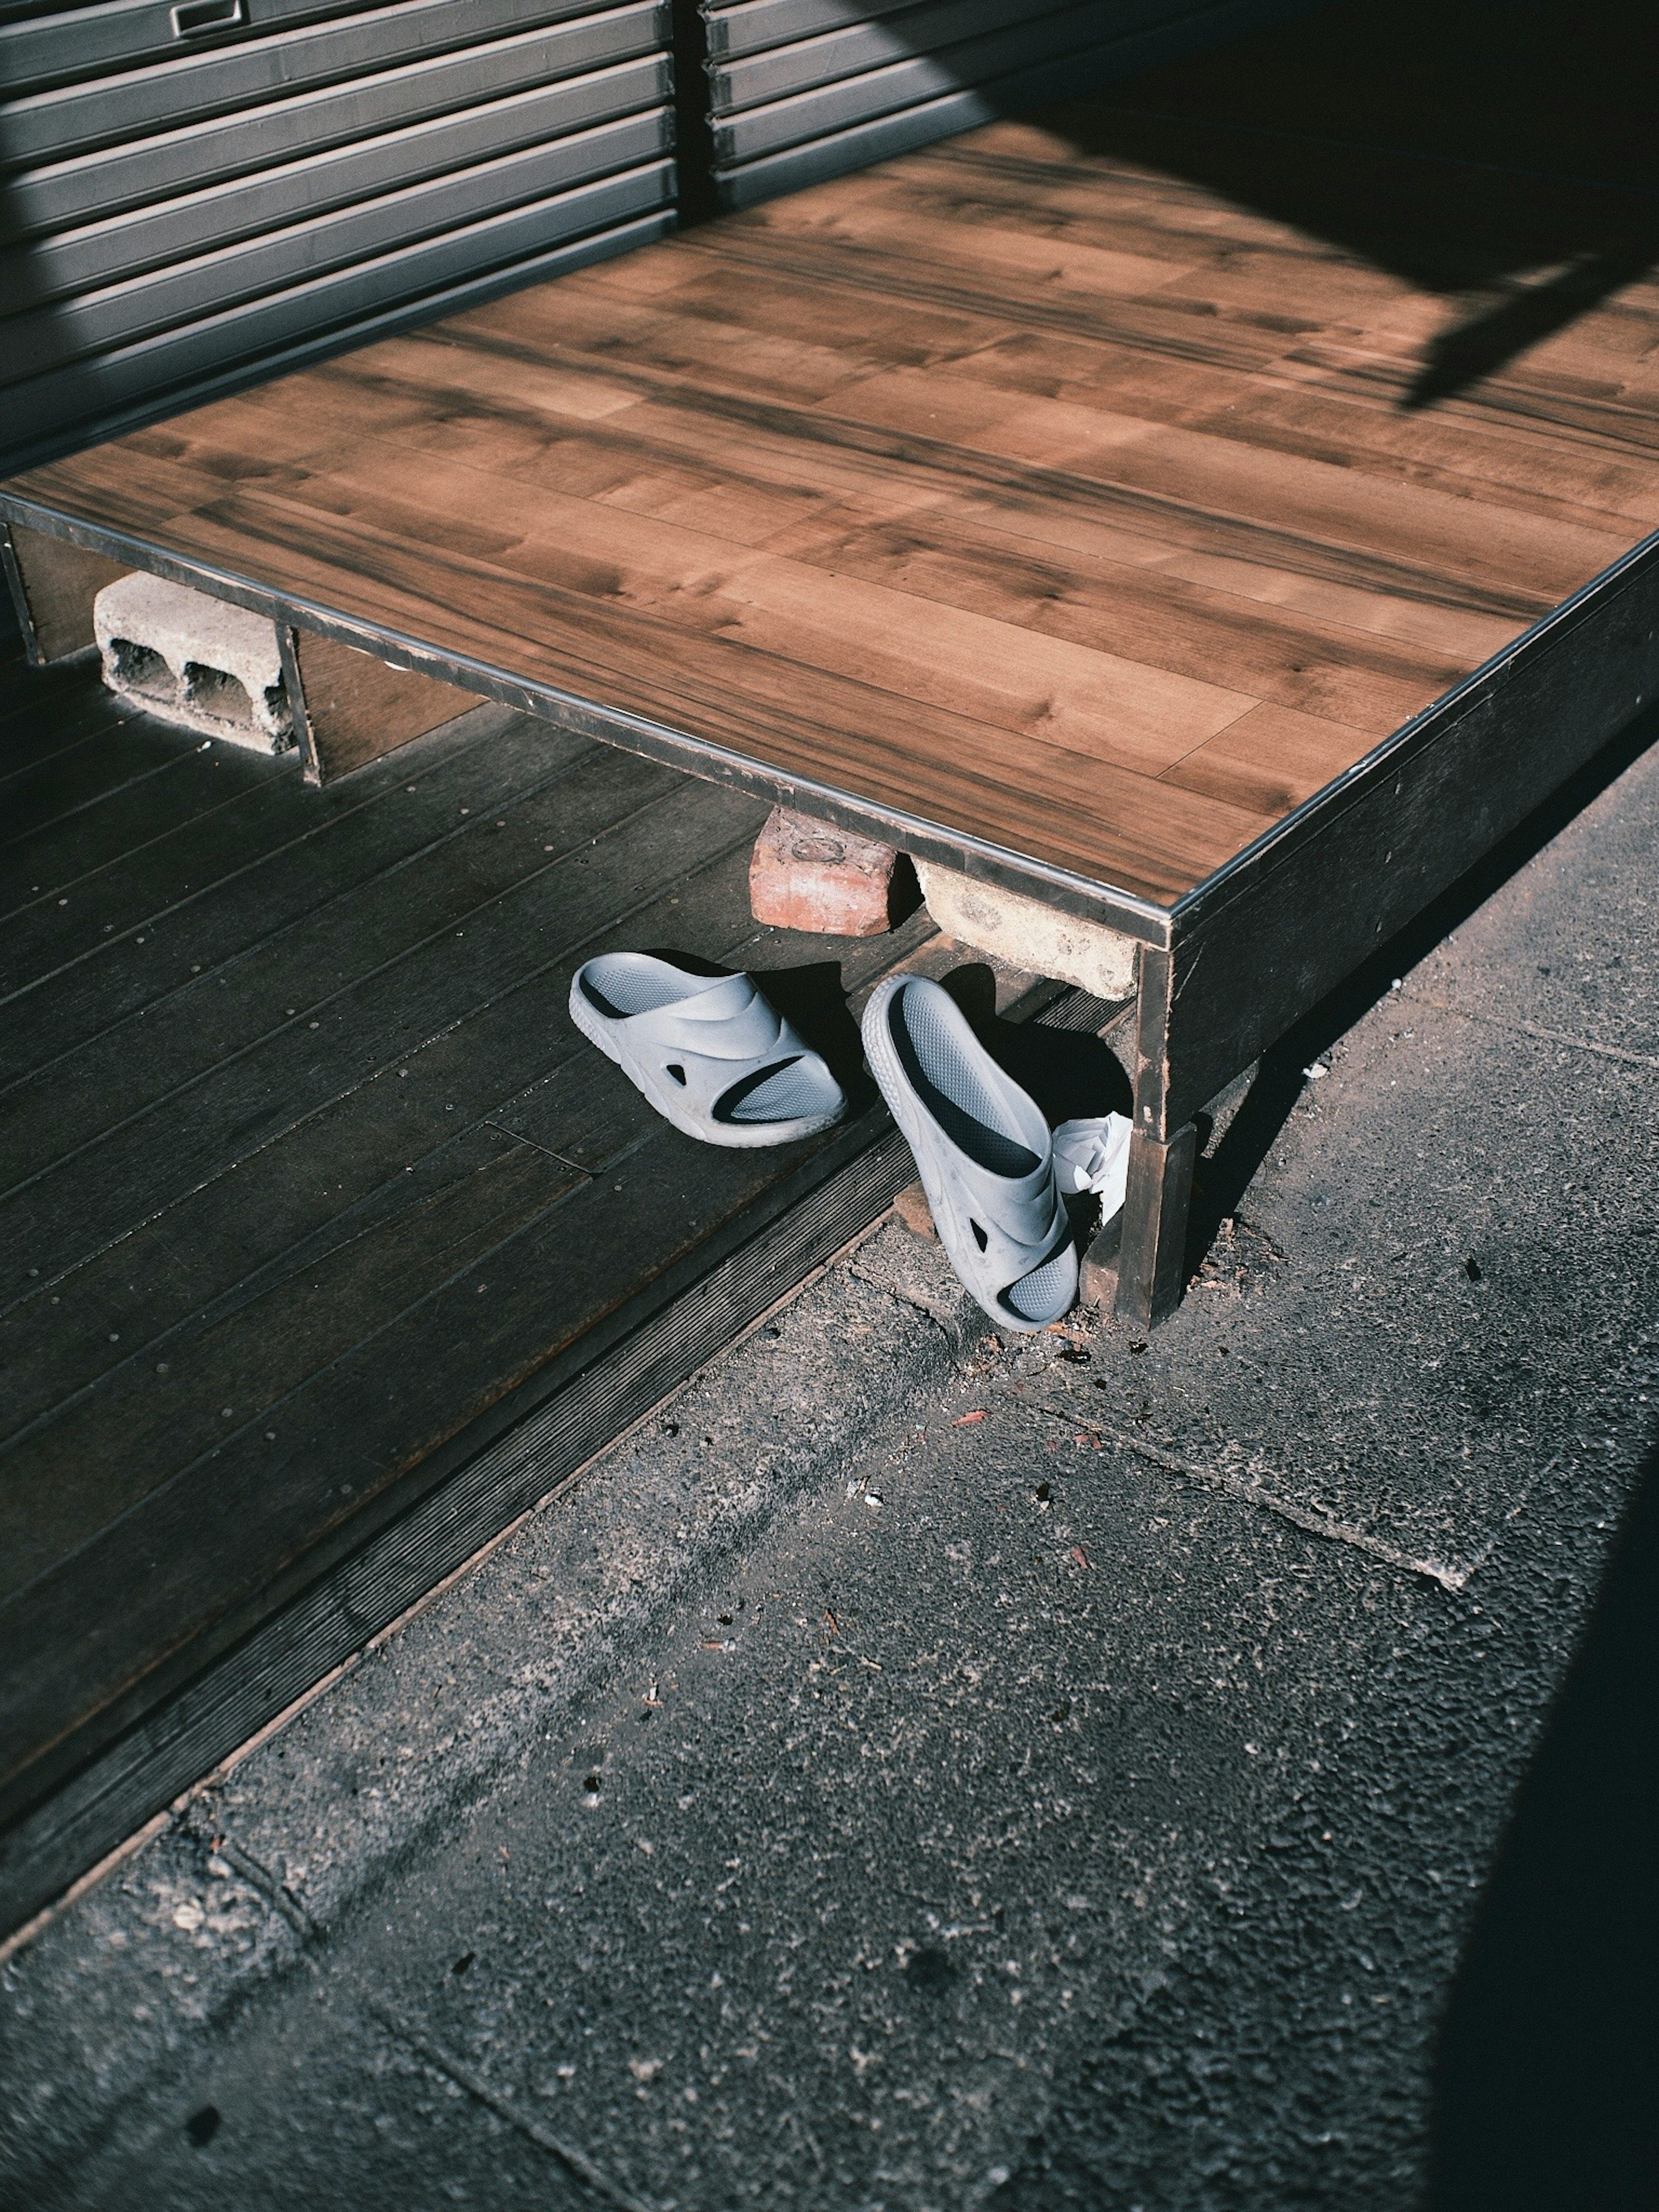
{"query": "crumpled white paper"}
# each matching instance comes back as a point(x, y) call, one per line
point(1094, 1156)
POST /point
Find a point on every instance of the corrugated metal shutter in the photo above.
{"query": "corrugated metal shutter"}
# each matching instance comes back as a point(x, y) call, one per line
point(804, 89)
point(189, 190)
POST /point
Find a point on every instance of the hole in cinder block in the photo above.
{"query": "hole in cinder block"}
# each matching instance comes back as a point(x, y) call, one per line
point(139, 668)
point(211, 691)
point(276, 713)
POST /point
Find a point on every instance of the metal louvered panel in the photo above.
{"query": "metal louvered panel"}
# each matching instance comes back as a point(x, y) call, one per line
point(436, 276)
point(805, 89)
point(106, 182)
point(941, 29)
point(749, 28)
point(79, 42)
point(887, 135)
point(748, 132)
point(261, 253)
point(47, 125)
point(169, 227)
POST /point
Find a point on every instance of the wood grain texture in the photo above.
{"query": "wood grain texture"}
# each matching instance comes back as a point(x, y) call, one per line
point(305, 1168)
point(1070, 485)
point(54, 586)
point(354, 708)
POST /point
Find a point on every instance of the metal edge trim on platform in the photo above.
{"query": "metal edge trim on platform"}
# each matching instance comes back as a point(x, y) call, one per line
point(516, 1457)
point(1200, 906)
point(978, 857)
point(1127, 911)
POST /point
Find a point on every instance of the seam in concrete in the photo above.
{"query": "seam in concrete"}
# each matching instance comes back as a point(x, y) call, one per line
point(1454, 1578)
point(276, 1894)
point(282, 1901)
point(124, 1851)
point(158, 1823)
point(575, 2162)
point(1534, 1029)
point(170, 1814)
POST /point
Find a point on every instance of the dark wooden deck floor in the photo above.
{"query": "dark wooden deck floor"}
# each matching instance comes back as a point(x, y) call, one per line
point(309, 1188)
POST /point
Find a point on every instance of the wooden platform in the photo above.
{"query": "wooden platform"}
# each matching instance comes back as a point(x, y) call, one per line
point(330, 1244)
point(1221, 529)
point(1031, 491)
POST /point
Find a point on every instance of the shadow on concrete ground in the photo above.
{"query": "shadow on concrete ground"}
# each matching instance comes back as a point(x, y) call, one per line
point(1544, 2087)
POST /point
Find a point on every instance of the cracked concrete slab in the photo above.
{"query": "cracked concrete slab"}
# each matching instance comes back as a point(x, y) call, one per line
point(1403, 1316)
point(919, 1791)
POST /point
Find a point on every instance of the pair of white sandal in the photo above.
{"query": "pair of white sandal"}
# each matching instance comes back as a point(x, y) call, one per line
point(720, 1063)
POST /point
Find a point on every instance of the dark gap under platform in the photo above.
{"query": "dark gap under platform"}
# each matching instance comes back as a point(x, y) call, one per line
point(329, 1244)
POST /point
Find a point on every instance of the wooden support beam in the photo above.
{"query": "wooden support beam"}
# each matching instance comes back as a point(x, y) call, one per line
point(53, 583)
point(350, 706)
point(1152, 1247)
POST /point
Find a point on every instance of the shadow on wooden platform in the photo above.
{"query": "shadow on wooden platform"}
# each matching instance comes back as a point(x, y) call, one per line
point(1531, 127)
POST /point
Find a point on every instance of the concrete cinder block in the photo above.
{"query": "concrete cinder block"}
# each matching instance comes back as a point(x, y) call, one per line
point(194, 660)
point(806, 875)
point(1025, 933)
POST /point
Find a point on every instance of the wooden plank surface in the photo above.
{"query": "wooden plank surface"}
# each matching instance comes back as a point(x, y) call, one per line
point(304, 1169)
point(1098, 486)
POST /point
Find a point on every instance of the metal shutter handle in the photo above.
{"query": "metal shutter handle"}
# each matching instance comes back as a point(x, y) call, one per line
point(195, 17)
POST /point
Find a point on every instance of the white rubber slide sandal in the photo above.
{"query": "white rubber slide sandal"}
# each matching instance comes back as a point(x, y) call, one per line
point(982, 1149)
point(709, 1052)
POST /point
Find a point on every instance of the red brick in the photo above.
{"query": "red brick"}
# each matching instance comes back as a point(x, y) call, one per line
point(806, 875)
point(913, 1210)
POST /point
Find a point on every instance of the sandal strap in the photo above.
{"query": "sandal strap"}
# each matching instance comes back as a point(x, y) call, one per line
point(716, 1042)
point(730, 1021)
point(1016, 1226)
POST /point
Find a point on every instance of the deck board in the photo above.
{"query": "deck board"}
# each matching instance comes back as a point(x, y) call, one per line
point(304, 1170)
point(1064, 485)
point(171, 781)
point(216, 883)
